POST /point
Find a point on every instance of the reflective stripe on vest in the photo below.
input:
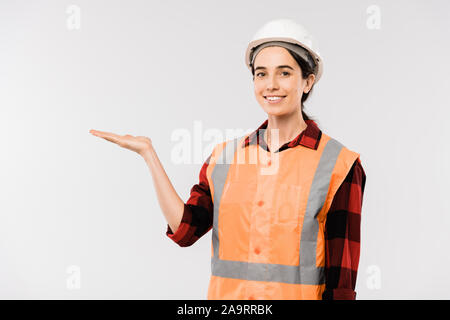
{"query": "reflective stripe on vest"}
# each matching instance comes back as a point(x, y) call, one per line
point(307, 271)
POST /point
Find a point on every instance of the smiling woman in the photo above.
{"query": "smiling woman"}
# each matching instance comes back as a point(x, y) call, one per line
point(293, 233)
point(289, 232)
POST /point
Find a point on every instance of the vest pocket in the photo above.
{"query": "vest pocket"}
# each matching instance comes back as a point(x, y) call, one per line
point(287, 202)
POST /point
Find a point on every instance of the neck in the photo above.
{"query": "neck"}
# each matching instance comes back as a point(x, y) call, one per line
point(288, 126)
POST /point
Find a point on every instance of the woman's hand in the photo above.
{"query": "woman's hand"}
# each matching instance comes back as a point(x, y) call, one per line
point(137, 144)
point(170, 202)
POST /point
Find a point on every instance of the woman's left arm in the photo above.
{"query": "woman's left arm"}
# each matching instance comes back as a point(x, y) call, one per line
point(342, 236)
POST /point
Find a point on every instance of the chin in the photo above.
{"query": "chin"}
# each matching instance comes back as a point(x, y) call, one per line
point(275, 110)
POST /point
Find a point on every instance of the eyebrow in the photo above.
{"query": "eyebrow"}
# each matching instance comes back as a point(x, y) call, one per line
point(279, 67)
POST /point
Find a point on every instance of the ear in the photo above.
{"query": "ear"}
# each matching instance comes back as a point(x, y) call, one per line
point(309, 82)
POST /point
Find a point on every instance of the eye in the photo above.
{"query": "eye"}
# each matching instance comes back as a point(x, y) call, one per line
point(287, 73)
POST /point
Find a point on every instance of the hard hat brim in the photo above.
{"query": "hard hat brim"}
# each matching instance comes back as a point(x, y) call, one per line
point(317, 59)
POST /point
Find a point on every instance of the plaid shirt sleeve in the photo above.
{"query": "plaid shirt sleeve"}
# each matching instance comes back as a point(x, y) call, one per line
point(198, 213)
point(342, 237)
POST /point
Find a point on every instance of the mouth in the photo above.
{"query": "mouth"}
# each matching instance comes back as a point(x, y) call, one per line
point(274, 99)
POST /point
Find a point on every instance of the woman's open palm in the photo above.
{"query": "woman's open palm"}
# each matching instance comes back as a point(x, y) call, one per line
point(137, 144)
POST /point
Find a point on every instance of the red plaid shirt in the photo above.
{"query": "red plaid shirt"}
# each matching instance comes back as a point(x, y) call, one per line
point(342, 227)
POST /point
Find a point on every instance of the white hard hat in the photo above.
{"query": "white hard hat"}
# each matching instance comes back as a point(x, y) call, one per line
point(285, 30)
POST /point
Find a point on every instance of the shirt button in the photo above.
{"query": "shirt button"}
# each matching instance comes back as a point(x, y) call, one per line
point(260, 203)
point(257, 251)
point(269, 163)
point(251, 298)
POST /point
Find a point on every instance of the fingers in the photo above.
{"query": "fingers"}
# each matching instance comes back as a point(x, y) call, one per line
point(106, 135)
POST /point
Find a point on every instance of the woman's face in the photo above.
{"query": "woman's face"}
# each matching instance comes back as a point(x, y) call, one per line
point(278, 74)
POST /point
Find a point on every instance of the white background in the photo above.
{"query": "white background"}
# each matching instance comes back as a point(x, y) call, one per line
point(150, 68)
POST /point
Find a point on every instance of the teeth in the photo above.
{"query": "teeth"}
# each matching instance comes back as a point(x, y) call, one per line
point(273, 98)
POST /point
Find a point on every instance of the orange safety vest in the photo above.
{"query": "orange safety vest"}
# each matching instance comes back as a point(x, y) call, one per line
point(269, 218)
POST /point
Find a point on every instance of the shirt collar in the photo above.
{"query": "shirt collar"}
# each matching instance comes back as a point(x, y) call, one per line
point(309, 137)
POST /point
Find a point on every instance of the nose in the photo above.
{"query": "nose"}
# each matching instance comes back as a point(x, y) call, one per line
point(272, 83)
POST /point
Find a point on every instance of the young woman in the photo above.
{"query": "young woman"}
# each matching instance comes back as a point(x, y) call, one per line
point(286, 226)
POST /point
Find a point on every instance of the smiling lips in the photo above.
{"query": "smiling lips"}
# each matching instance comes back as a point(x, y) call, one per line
point(274, 99)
